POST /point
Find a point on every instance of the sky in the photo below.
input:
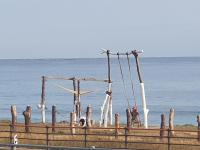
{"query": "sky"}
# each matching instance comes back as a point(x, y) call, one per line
point(80, 28)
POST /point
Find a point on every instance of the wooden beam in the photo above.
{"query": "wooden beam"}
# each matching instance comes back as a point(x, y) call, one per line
point(73, 78)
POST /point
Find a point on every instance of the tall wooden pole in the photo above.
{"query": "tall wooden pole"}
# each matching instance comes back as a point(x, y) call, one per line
point(145, 110)
point(78, 104)
point(74, 86)
point(109, 88)
point(42, 105)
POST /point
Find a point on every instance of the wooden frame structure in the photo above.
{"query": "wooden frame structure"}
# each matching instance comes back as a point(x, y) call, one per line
point(76, 89)
point(136, 55)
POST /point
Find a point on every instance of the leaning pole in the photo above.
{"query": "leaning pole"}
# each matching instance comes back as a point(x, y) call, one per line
point(145, 110)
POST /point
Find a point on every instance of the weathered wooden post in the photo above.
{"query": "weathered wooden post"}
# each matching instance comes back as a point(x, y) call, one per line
point(14, 116)
point(53, 118)
point(89, 116)
point(27, 117)
point(171, 122)
point(72, 122)
point(128, 115)
point(198, 127)
point(116, 125)
point(162, 126)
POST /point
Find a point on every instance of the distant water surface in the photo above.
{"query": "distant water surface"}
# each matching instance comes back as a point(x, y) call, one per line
point(169, 82)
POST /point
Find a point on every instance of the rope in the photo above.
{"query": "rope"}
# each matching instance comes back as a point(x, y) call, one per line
point(130, 75)
point(122, 76)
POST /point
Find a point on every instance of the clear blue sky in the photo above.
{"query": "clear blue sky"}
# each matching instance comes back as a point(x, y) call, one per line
point(79, 28)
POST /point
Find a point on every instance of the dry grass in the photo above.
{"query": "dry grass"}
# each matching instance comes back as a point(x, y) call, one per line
point(136, 138)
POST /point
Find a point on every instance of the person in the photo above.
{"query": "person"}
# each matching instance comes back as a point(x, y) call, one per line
point(135, 116)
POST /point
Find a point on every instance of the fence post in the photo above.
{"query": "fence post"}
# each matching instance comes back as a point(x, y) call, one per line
point(14, 116)
point(47, 136)
point(53, 118)
point(162, 126)
point(72, 122)
point(89, 116)
point(126, 139)
point(128, 115)
point(171, 122)
point(27, 117)
point(85, 133)
point(198, 127)
point(169, 134)
point(116, 125)
point(10, 133)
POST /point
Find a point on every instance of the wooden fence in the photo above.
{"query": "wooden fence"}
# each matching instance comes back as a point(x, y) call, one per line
point(41, 135)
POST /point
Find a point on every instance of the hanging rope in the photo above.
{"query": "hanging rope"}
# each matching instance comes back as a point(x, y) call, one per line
point(130, 76)
point(122, 76)
point(135, 113)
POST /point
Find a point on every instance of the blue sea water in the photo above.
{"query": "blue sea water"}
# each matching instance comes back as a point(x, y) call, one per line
point(169, 82)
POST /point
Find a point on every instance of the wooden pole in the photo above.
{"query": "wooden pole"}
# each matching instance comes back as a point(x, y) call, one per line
point(53, 118)
point(89, 116)
point(72, 122)
point(27, 117)
point(171, 122)
point(78, 104)
point(42, 105)
point(162, 126)
point(128, 115)
point(14, 116)
point(145, 110)
point(116, 125)
point(109, 74)
point(198, 127)
point(74, 86)
point(109, 82)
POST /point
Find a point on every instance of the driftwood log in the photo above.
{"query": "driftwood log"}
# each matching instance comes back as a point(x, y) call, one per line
point(89, 116)
point(53, 118)
point(117, 125)
point(171, 122)
point(27, 118)
point(162, 126)
point(72, 122)
point(198, 127)
point(14, 117)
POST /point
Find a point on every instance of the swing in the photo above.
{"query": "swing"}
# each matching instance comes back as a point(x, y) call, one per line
point(134, 111)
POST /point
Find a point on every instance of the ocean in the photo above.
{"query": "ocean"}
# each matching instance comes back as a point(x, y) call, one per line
point(169, 83)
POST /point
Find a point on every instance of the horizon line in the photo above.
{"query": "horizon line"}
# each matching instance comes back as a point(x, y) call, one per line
point(42, 58)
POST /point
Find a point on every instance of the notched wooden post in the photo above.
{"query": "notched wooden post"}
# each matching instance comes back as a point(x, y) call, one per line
point(198, 127)
point(116, 125)
point(53, 118)
point(72, 122)
point(171, 122)
point(162, 126)
point(89, 116)
point(27, 117)
point(14, 117)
